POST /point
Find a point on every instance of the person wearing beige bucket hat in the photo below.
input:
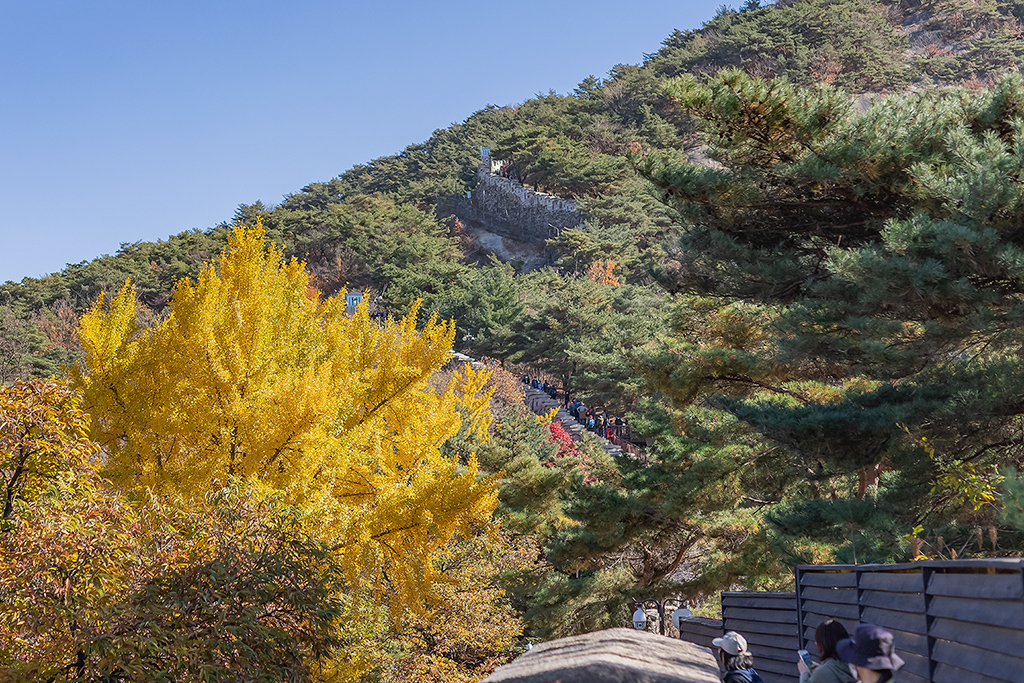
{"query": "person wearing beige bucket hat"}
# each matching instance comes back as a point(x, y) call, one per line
point(737, 662)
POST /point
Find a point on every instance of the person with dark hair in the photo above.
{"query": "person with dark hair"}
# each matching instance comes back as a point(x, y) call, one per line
point(831, 669)
point(737, 662)
point(871, 651)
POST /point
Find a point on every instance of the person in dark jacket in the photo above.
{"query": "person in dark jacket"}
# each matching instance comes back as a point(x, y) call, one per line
point(737, 662)
point(872, 652)
point(831, 669)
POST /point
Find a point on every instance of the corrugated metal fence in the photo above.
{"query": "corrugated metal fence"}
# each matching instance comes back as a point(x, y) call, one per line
point(955, 622)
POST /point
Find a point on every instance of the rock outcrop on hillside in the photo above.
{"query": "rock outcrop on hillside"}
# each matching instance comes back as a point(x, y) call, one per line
point(611, 656)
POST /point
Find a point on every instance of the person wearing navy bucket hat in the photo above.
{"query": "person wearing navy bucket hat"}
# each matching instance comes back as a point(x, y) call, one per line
point(871, 651)
point(736, 659)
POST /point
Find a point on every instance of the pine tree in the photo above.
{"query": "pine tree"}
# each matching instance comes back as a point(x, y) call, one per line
point(871, 263)
point(579, 331)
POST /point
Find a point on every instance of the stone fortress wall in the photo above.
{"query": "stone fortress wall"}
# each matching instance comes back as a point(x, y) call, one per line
point(508, 208)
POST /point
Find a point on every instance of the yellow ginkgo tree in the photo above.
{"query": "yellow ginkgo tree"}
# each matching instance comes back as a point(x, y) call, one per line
point(249, 374)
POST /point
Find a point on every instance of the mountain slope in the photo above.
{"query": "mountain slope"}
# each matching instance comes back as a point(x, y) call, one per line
point(573, 145)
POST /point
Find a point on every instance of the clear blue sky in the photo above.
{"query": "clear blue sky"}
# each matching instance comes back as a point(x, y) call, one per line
point(125, 121)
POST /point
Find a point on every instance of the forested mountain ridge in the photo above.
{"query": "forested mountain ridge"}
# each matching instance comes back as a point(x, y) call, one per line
point(572, 145)
point(816, 327)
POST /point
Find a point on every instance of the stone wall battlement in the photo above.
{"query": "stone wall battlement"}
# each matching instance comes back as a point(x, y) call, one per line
point(510, 208)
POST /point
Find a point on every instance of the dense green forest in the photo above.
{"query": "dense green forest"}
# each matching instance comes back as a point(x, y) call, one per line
point(801, 276)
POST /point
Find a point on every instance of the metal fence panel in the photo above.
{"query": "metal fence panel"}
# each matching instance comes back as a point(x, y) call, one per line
point(700, 631)
point(958, 621)
point(769, 623)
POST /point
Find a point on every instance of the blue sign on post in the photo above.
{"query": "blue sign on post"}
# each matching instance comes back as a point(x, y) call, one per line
point(353, 299)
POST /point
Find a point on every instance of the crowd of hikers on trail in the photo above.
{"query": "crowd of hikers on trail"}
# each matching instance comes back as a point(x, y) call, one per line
point(593, 419)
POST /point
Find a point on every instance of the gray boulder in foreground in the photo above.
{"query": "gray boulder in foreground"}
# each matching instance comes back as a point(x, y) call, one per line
point(615, 655)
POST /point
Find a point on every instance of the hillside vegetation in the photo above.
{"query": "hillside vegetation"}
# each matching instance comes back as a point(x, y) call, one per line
point(801, 276)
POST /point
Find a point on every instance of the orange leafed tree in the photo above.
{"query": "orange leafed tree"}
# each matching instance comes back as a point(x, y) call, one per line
point(603, 271)
point(247, 376)
point(229, 588)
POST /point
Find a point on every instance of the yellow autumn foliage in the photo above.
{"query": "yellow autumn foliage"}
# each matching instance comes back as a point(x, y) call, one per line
point(248, 376)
